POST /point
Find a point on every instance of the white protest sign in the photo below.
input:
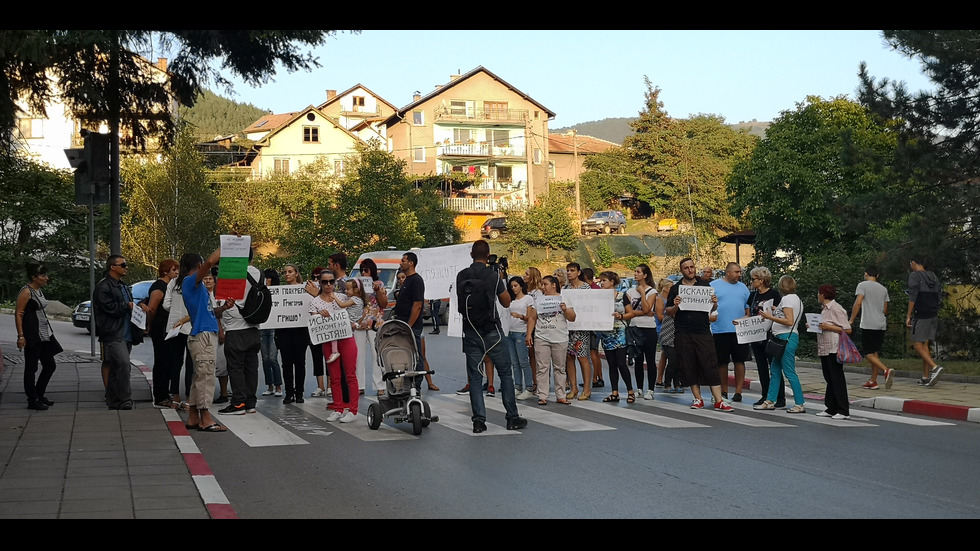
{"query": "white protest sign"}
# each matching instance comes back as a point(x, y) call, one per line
point(290, 307)
point(752, 329)
point(438, 267)
point(325, 329)
point(139, 317)
point(695, 298)
point(367, 284)
point(455, 328)
point(813, 322)
point(548, 304)
point(593, 308)
point(505, 318)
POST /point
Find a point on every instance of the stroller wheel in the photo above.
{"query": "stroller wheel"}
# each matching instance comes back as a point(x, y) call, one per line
point(415, 412)
point(374, 416)
point(427, 414)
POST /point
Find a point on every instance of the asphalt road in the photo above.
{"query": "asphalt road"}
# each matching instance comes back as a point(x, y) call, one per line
point(656, 459)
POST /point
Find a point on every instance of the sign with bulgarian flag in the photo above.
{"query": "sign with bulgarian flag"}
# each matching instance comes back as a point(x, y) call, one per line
point(233, 267)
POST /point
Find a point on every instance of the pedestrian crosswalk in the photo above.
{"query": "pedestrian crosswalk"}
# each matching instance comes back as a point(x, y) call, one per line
point(276, 424)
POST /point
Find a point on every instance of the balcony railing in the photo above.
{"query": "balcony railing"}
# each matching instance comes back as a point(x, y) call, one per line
point(479, 150)
point(481, 115)
point(514, 201)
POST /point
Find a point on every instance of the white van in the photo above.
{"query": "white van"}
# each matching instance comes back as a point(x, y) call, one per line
point(389, 262)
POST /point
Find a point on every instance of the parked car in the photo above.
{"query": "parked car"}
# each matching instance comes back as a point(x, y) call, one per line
point(494, 227)
point(82, 314)
point(605, 221)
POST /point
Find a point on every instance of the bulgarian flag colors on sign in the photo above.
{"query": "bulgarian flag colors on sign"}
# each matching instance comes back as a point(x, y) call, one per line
point(233, 267)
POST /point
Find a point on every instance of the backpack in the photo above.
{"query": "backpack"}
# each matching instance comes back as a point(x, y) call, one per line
point(258, 303)
point(476, 301)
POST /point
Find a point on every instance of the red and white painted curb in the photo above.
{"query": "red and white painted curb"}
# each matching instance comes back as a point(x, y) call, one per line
point(214, 499)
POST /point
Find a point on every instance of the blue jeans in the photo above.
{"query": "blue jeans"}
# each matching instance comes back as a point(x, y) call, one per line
point(786, 366)
point(520, 361)
point(270, 358)
point(475, 344)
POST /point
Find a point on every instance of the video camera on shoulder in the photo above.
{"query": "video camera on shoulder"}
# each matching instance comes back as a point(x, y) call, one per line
point(498, 264)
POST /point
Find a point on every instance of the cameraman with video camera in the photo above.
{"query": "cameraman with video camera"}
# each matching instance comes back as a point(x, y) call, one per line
point(476, 287)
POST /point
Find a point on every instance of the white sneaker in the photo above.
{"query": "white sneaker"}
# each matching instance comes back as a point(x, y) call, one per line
point(824, 414)
point(267, 392)
point(334, 417)
point(840, 416)
point(348, 417)
point(648, 395)
point(525, 395)
point(318, 393)
point(279, 393)
point(333, 357)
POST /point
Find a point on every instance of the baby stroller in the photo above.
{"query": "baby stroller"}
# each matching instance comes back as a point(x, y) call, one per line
point(397, 356)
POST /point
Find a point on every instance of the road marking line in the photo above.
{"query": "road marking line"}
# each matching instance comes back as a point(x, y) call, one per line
point(552, 418)
point(257, 430)
point(708, 412)
point(386, 432)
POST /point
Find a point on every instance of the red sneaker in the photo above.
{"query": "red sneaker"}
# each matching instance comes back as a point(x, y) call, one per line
point(697, 403)
point(722, 406)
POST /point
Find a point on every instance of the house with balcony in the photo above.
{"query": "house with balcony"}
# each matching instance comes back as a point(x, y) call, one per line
point(482, 129)
point(360, 111)
point(287, 142)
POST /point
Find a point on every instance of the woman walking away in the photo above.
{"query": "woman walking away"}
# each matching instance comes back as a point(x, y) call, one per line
point(784, 328)
point(614, 342)
point(833, 323)
point(521, 309)
point(35, 336)
point(762, 293)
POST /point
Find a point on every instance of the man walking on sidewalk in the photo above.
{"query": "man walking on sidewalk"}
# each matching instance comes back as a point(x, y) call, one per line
point(923, 317)
point(871, 299)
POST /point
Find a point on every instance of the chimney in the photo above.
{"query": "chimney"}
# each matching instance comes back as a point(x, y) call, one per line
point(331, 94)
point(416, 96)
point(162, 63)
point(454, 77)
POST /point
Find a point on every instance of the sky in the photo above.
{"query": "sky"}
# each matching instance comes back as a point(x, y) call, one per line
point(585, 76)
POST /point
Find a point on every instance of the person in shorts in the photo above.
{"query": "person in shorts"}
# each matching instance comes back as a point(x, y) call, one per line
point(871, 299)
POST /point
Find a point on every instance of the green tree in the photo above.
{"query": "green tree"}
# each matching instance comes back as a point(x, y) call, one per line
point(171, 207)
point(40, 221)
point(812, 186)
point(548, 223)
point(934, 195)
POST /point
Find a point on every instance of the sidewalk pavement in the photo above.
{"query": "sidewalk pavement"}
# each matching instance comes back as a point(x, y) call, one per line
point(79, 459)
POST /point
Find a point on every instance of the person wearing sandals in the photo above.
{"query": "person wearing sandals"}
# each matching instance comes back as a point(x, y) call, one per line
point(203, 339)
point(784, 327)
point(641, 313)
point(833, 323)
point(578, 342)
point(36, 337)
point(550, 332)
point(614, 342)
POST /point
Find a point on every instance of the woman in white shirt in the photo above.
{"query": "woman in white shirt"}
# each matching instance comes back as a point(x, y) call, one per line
point(521, 309)
point(784, 327)
point(550, 330)
point(641, 313)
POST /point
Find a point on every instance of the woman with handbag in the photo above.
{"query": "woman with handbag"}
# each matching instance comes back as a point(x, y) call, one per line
point(641, 313)
point(834, 327)
point(782, 346)
point(762, 292)
point(35, 336)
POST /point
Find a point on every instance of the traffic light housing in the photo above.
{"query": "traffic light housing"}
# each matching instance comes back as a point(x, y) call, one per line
point(92, 171)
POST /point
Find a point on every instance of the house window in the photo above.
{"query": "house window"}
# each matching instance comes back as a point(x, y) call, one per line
point(311, 134)
point(551, 169)
point(495, 109)
point(461, 108)
point(505, 174)
point(30, 128)
point(463, 135)
point(498, 138)
point(419, 155)
point(537, 156)
point(358, 103)
point(281, 166)
point(338, 167)
point(418, 117)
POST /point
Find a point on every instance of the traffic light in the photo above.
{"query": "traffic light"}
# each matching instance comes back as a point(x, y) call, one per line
point(91, 169)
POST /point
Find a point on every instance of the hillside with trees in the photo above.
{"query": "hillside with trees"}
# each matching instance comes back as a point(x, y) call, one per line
point(213, 115)
point(616, 129)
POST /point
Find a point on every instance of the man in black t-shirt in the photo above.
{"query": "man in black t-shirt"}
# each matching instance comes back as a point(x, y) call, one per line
point(693, 341)
point(408, 306)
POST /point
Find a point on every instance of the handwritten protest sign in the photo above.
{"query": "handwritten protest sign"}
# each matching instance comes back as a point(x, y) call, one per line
point(593, 308)
point(438, 267)
point(290, 307)
point(548, 304)
point(813, 322)
point(325, 329)
point(752, 329)
point(139, 317)
point(695, 298)
point(233, 267)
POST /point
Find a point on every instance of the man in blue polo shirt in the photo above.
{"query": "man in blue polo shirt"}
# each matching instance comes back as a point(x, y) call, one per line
point(203, 339)
point(733, 297)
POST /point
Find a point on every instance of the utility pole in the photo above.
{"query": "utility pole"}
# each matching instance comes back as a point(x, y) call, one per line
point(578, 200)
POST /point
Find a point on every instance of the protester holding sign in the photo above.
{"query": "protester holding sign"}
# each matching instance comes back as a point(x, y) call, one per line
point(763, 295)
point(292, 343)
point(341, 371)
point(784, 322)
point(692, 334)
point(550, 330)
point(578, 342)
point(614, 342)
point(834, 322)
point(641, 312)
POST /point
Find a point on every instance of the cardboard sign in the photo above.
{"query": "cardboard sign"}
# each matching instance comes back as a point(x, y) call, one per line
point(695, 298)
point(593, 308)
point(439, 266)
point(232, 267)
point(548, 304)
point(752, 329)
point(290, 307)
point(813, 322)
point(325, 329)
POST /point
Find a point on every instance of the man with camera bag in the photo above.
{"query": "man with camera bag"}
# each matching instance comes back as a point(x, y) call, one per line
point(478, 288)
